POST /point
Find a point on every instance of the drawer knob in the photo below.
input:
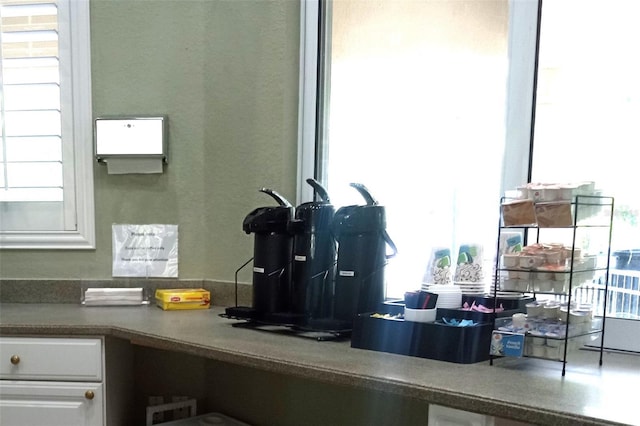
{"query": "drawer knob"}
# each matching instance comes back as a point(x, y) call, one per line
point(89, 394)
point(15, 360)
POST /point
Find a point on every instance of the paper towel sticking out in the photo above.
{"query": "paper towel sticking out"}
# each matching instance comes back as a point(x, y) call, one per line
point(119, 166)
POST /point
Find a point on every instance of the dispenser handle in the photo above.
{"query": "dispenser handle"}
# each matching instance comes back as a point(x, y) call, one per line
point(365, 193)
point(324, 196)
point(279, 198)
point(391, 244)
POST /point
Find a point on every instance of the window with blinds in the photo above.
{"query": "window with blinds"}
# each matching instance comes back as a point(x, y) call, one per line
point(45, 111)
point(31, 155)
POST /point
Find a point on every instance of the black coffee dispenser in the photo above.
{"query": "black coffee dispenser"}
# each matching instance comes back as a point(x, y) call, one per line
point(300, 280)
point(272, 251)
point(360, 231)
point(314, 254)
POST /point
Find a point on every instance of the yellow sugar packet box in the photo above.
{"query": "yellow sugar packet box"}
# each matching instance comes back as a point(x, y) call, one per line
point(183, 298)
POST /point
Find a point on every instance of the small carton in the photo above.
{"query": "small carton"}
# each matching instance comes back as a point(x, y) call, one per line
point(183, 298)
point(504, 343)
point(519, 212)
point(554, 215)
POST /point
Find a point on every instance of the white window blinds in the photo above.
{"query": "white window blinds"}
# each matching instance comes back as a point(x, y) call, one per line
point(46, 173)
point(31, 154)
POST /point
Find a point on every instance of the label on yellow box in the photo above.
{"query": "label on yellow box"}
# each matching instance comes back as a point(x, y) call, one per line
point(183, 298)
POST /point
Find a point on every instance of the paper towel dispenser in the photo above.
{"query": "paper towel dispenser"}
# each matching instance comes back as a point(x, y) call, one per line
point(131, 144)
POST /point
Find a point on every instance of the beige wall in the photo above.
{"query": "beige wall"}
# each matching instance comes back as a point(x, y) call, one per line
point(226, 74)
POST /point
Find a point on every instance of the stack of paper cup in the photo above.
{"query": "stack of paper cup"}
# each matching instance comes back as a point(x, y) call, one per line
point(439, 267)
point(469, 265)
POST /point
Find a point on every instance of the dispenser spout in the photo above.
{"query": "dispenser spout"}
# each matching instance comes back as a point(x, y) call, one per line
point(322, 193)
point(365, 193)
point(279, 198)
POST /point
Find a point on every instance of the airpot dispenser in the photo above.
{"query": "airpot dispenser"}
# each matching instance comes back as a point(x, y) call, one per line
point(272, 250)
point(314, 255)
point(300, 279)
point(360, 231)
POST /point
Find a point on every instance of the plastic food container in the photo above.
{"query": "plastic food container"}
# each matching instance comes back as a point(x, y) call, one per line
point(551, 311)
point(510, 284)
point(510, 260)
point(534, 309)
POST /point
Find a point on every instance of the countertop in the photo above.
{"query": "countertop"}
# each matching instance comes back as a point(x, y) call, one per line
point(528, 390)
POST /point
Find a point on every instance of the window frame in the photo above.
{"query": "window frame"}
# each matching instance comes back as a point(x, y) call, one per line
point(310, 38)
point(79, 153)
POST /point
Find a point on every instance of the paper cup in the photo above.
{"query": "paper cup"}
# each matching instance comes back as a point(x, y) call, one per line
point(469, 263)
point(439, 266)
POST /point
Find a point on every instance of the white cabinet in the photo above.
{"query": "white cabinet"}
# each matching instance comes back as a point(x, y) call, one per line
point(52, 381)
point(50, 403)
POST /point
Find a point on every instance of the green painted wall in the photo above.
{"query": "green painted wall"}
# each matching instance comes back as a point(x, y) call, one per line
point(226, 74)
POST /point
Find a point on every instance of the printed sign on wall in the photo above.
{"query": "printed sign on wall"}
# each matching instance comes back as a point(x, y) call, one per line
point(145, 250)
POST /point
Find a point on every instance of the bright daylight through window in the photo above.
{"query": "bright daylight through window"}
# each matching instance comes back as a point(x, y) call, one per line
point(415, 110)
point(32, 154)
point(586, 120)
point(46, 183)
point(431, 106)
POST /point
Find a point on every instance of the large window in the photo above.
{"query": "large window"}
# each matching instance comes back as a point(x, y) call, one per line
point(431, 103)
point(414, 109)
point(440, 106)
point(46, 174)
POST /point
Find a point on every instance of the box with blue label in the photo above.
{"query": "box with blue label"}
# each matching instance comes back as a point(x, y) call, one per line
point(504, 343)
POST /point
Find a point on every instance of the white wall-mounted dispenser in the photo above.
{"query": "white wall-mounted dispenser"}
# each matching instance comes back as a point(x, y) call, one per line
point(131, 144)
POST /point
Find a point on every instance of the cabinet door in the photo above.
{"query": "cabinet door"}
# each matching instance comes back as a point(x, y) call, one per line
point(25, 403)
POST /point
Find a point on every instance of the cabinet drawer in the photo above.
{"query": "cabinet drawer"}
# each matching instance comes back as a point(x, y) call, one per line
point(34, 358)
point(51, 403)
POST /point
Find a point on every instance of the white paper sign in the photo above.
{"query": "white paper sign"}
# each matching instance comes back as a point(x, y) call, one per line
point(145, 250)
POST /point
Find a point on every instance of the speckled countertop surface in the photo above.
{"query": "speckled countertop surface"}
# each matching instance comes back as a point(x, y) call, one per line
point(522, 389)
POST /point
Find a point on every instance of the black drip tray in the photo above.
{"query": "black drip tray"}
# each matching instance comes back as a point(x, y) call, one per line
point(284, 318)
point(320, 335)
point(240, 312)
point(329, 324)
point(286, 323)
